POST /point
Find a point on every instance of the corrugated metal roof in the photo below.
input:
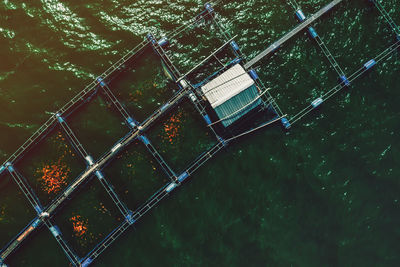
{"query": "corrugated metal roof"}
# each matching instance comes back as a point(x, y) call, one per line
point(238, 106)
point(227, 85)
point(232, 94)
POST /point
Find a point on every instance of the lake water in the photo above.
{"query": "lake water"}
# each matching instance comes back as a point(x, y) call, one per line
point(326, 193)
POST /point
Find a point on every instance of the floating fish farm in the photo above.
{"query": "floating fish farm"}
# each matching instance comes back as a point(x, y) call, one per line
point(232, 100)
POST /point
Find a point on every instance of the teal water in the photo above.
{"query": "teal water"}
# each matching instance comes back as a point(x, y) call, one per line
point(324, 194)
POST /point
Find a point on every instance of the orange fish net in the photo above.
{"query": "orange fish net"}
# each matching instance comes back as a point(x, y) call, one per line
point(53, 176)
point(172, 127)
point(79, 225)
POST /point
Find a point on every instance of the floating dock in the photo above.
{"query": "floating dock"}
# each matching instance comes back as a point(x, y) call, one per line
point(306, 23)
point(221, 107)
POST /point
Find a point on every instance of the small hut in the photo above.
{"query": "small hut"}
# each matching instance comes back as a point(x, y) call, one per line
point(232, 94)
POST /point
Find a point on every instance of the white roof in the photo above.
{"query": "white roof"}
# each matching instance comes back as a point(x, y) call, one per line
point(227, 85)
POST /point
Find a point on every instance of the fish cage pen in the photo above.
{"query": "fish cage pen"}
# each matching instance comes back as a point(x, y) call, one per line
point(223, 87)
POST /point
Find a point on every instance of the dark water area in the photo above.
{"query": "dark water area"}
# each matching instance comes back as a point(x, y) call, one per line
point(326, 193)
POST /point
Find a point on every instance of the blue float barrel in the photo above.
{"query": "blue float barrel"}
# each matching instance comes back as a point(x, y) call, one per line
point(150, 37)
point(253, 74)
point(55, 231)
point(129, 218)
point(171, 187)
point(131, 122)
point(10, 167)
point(369, 64)
point(207, 119)
point(286, 124)
point(317, 102)
point(144, 139)
point(101, 81)
point(38, 209)
point(99, 175)
point(345, 81)
point(164, 107)
point(36, 223)
point(235, 46)
point(300, 15)
point(163, 42)
point(183, 176)
point(87, 262)
point(2, 168)
point(209, 8)
point(59, 118)
point(312, 32)
point(89, 160)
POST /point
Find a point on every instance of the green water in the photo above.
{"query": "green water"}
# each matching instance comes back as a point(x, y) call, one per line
point(324, 194)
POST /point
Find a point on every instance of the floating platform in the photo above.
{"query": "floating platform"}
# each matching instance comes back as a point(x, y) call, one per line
point(232, 94)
